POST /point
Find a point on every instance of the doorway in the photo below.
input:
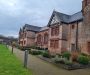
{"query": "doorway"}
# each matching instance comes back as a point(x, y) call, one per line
point(73, 47)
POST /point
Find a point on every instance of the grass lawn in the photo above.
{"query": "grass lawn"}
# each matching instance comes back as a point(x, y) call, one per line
point(9, 64)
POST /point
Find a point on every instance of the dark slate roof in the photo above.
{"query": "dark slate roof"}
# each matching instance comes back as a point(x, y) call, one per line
point(62, 17)
point(31, 28)
point(67, 18)
point(44, 28)
point(76, 17)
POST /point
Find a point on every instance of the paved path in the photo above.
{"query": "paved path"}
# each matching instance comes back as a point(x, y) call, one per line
point(40, 67)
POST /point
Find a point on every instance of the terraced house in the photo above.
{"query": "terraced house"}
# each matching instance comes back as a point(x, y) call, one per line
point(65, 32)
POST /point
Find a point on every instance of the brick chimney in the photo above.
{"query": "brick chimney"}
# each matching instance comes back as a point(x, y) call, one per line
point(85, 4)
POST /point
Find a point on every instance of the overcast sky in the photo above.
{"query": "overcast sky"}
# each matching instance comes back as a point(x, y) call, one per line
point(15, 13)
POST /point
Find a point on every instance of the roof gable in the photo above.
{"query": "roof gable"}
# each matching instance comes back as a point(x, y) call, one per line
point(54, 19)
point(60, 17)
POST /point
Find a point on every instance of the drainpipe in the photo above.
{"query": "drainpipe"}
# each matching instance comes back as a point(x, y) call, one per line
point(77, 37)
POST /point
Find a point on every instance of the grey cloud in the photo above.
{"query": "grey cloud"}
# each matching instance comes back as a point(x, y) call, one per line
point(15, 13)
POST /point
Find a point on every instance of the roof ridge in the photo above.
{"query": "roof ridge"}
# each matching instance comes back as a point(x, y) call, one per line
point(76, 13)
point(61, 13)
point(31, 25)
point(69, 18)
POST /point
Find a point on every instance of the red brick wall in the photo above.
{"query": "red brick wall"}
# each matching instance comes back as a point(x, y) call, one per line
point(27, 38)
point(42, 39)
point(58, 41)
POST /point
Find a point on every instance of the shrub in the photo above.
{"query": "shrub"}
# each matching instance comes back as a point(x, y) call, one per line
point(46, 49)
point(89, 57)
point(74, 56)
point(38, 48)
point(33, 52)
point(59, 55)
point(84, 54)
point(66, 55)
point(33, 47)
point(60, 60)
point(83, 59)
point(24, 48)
point(52, 56)
point(46, 54)
point(63, 61)
point(68, 62)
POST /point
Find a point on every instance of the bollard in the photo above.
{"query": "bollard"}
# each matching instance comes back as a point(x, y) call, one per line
point(25, 58)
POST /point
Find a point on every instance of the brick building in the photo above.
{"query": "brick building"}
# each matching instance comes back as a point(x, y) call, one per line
point(27, 35)
point(85, 35)
point(42, 37)
point(66, 32)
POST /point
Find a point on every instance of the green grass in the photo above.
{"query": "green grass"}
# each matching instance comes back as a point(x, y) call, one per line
point(9, 64)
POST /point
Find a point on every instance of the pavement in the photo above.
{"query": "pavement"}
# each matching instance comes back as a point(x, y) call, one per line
point(41, 67)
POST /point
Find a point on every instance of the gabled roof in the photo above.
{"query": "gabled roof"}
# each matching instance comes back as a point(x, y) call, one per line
point(67, 18)
point(28, 27)
point(76, 17)
point(62, 17)
point(44, 28)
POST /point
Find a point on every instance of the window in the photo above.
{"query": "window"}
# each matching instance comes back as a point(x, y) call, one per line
point(52, 31)
point(55, 30)
point(24, 42)
point(39, 39)
point(21, 42)
point(73, 26)
point(45, 38)
point(25, 34)
point(54, 43)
